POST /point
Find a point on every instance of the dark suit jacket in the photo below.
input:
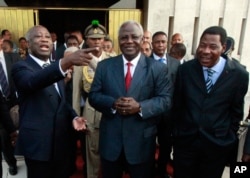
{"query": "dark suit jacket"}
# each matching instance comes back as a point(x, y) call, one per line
point(215, 115)
point(5, 119)
point(60, 51)
point(10, 59)
point(44, 121)
point(134, 134)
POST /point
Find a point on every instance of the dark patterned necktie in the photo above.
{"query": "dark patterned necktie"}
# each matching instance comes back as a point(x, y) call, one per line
point(3, 82)
point(209, 82)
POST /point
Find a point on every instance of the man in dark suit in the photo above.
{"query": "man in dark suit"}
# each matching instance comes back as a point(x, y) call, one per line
point(7, 60)
point(7, 124)
point(131, 95)
point(164, 135)
point(208, 106)
point(45, 116)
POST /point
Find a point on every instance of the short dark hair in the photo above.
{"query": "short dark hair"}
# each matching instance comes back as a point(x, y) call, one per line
point(4, 31)
point(21, 38)
point(72, 37)
point(159, 33)
point(216, 30)
point(9, 42)
point(180, 48)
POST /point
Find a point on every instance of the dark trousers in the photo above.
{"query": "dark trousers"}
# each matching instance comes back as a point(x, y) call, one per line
point(200, 158)
point(115, 169)
point(7, 148)
point(48, 169)
point(165, 141)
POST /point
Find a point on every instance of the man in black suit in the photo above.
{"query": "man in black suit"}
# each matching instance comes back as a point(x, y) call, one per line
point(208, 106)
point(45, 116)
point(7, 124)
point(7, 60)
point(159, 43)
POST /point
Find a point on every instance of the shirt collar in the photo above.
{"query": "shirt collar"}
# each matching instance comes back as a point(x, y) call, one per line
point(39, 61)
point(1, 54)
point(218, 66)
point(133, 61)
point(158, 57)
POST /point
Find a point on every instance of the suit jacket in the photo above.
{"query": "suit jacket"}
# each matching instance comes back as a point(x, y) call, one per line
point(45, 117)
point(82, 80)
point(214, 115)
point(134, 134)
point(5, 119)
point(10, 59)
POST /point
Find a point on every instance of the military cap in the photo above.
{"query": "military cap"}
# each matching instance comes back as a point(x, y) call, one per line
point(95, 30)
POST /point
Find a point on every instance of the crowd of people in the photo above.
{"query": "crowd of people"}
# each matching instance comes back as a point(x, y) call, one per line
point(121, 107)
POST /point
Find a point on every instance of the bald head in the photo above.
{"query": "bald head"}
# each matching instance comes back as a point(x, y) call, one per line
point(177, 38)
point(147, 36)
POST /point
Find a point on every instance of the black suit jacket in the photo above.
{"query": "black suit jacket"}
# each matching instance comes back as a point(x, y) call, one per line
point(5, 119)
point(215, 115)
point(45, 118)
point(10, 59)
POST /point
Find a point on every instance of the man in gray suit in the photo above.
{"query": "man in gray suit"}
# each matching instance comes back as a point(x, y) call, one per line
point(164, 135)
point(131, 91)
point(208, 106)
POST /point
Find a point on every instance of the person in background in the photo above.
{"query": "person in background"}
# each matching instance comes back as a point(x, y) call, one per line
point(147, 36)
point(56, 45)
point(208, 106)
point(146, 48)
point(164, 132)
point(60, 50)
point(82, 81)
point(7, 124)
point(177, 38)
point(23, 48)
point(8, 89)
point(79, 36)
point(6, 35)
point(178, 51)
point(131, 95)
point(108, 46)
point(45, 116)
point(7, 46)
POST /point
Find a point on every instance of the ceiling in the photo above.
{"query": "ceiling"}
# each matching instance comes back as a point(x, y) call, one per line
point(61, 3)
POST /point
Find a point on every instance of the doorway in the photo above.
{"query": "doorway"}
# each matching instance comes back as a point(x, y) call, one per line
point(61, 21)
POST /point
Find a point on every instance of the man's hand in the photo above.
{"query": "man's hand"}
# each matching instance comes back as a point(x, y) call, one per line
point(79, 123)
point(126, 106)
point(81, 57)
point(13, 138)
point(245, 158)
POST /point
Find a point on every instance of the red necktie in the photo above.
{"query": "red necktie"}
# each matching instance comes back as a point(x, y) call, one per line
point(128, 77)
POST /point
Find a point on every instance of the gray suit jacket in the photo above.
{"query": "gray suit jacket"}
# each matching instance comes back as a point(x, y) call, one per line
point(134, 134)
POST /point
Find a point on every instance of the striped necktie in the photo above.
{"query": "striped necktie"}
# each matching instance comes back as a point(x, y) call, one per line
point(209, 82)
point(3, 82)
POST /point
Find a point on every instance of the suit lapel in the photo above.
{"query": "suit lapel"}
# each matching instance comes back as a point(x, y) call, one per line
point(118, 74)
point(225, 75)
point(139, 73)
point(198, 76)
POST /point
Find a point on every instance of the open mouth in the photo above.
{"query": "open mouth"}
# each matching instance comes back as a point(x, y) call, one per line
point(44, 47)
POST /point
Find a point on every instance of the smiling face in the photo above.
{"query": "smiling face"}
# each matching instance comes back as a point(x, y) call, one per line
point(40, 42)
point(209, 50)
point(130, 38)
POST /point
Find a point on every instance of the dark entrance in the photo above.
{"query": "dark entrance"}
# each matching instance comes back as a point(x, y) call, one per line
point(61, 21)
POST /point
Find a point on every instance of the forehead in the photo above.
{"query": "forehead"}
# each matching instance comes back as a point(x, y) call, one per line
point(210, 38)
point(160, 37)
point(130, 28)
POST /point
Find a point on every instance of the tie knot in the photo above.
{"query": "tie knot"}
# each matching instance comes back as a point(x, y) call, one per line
point(129, 64)
point(210, 72)
point(161, 60)
point(45, 65)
